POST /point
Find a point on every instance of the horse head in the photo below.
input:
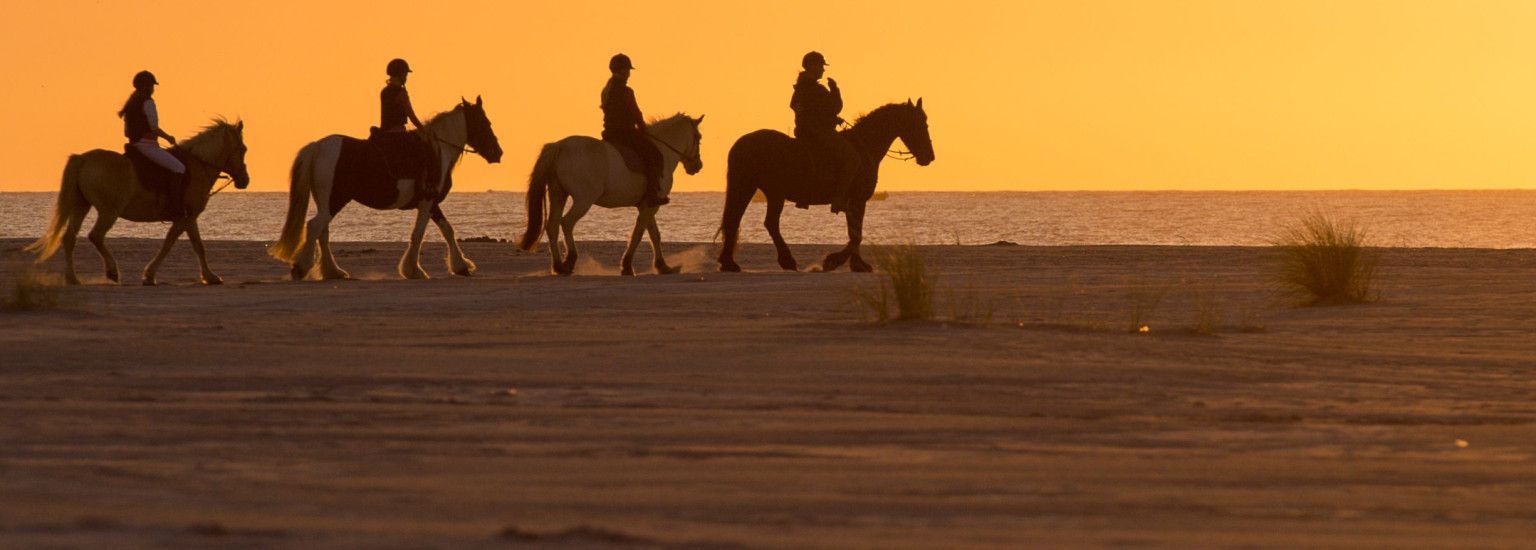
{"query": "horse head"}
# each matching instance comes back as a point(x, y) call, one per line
point(222, 146)
point(914, 133)
point(694, 163)
point(477, 127)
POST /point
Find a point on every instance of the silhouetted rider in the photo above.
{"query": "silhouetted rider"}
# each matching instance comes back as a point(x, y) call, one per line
point(816, 109)
point(141, 125)
point(624, 125)
point(416, 159)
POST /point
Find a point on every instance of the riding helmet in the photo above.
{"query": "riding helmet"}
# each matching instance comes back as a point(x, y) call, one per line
point(397, 67)
point(620, 62)
point(813, 59)
point(144, 80)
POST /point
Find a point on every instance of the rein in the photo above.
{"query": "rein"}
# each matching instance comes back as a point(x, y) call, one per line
point(680, 154)
point(218, 171)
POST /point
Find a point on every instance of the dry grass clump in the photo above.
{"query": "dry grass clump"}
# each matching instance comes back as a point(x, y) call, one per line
point(906, 292)
point(1326, 261)
point(25, 289)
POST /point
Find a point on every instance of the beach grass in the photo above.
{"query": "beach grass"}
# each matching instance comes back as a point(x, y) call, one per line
point(1323, 260)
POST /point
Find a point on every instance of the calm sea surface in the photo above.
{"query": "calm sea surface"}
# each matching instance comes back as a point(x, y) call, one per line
point(1481, 219)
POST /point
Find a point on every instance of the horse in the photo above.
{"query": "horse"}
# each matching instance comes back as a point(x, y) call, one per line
point(105, 180)
point(772, 162)
point(590, 171)
point(327, 171)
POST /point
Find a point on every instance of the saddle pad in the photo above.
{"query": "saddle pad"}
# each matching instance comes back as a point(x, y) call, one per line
point(151, 175)
point(631, 158)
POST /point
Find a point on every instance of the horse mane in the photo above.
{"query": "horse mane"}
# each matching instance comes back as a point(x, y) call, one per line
point(661, 120)
point(198, 143)
point(881, 111)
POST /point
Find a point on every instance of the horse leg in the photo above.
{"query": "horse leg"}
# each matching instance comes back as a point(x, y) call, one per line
point(771, 223)
point(165, 250)
point(626, 263)
point(195, 236)
point(738, 195)
point(410, 263)
point(457, 263)
point(578, 209)
point(329, 269)
point(304, 258)
point(556, 209)
point(70, 234)
point(855, 237)
point(98, 237)
point(658, 260)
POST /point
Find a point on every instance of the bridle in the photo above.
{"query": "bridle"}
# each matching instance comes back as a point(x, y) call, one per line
point(220, 172)
point(695, 157)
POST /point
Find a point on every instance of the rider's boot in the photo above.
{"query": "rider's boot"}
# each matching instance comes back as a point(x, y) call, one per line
point(652, 195)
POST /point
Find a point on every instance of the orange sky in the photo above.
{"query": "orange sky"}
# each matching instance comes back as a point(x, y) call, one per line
point(1022, 95)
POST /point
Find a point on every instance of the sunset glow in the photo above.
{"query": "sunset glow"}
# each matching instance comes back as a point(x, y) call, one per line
point(1021, 95)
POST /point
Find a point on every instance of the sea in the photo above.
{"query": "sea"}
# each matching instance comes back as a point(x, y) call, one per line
point(1461, 219)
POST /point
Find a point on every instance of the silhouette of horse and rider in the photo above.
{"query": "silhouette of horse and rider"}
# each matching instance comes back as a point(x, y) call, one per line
point(398, 168)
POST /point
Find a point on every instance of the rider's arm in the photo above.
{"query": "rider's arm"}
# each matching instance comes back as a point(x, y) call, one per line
point(410, 113)
point(153, 115)
point(634, 108)
point(836, 97)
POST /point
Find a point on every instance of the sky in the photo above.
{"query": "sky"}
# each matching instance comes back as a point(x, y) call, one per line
point(1021, 95)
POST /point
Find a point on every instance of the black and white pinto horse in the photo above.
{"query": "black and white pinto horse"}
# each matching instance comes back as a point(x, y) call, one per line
point(337, 170)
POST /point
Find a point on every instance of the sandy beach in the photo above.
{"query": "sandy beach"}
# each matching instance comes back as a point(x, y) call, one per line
point(760, 410)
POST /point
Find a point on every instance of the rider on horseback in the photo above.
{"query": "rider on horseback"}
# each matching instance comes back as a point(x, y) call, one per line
point(623, 125)
point(413, 158)
point(816, 109)
point(141, 125)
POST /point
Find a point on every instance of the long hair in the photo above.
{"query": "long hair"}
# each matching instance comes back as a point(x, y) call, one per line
point(123, 112)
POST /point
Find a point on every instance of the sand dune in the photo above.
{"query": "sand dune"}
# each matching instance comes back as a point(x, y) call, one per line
point(758, 410)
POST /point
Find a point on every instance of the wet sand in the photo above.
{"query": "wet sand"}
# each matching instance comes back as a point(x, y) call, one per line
point(759, 410)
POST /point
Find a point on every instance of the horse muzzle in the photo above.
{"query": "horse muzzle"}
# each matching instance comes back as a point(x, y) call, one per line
point(242, 179)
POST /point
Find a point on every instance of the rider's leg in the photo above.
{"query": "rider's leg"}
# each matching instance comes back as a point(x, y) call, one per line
point(650, 156)
point(848, 160)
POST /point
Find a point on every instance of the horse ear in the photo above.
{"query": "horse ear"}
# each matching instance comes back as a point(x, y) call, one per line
point(478, 102)
point(699, 121)
point(240, 125)
point(463, 101)
point(919, 103)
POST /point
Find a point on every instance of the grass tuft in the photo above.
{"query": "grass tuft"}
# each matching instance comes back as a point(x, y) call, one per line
point(906, 292)
point(1326, 261)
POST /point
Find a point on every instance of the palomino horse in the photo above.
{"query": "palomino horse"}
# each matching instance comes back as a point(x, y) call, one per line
point(329, 171)
point(773, 162)
point(590, 171)
point(106, 181)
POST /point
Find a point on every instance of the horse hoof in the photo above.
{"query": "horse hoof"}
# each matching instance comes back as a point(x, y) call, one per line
point(214, 280)
point(150, 282)
point(113, 276)
point(296, 273)
point(627, 271)
point(730, 268)
point(667, 270)
point(858, 265)
point(789, 265)
point(464, 272)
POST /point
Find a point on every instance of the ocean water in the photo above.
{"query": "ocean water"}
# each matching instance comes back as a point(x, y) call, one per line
point(1478, 219)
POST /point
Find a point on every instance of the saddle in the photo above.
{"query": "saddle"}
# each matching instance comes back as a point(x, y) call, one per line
point(821, 166)
point(166, 186)
point(155, 178)
point(630, 156)
point(407, 157)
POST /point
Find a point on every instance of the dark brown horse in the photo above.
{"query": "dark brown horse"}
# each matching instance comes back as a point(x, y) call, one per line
point(770, 161)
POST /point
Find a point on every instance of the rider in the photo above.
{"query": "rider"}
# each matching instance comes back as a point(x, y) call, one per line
point(394, 110)
point(624, 125)
point(141, 125)
point(816, 109)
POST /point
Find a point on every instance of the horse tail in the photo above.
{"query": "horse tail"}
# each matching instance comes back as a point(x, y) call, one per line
point(66, 207)
point(538, 186)
point(298, 206)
